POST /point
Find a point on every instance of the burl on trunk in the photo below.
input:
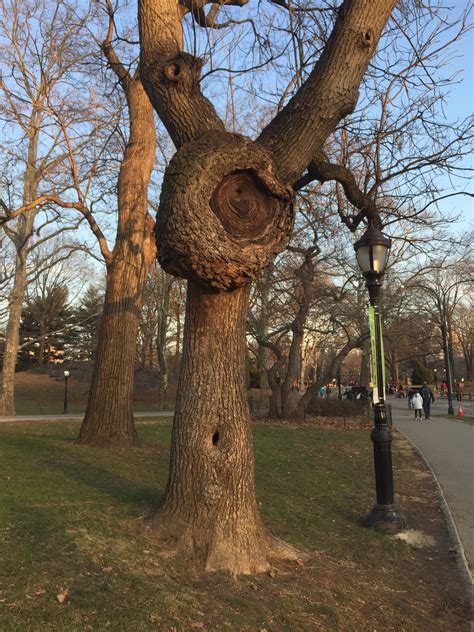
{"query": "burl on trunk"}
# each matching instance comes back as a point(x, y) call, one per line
point(223, 216)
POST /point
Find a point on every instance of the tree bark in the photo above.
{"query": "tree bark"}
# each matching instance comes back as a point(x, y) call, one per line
point(21, 243)
point(109, 415)
point(162, 328)
point(210, 510)
point(7, 398)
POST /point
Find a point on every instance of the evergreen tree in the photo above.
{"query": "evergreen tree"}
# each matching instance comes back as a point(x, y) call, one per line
point(87, 322)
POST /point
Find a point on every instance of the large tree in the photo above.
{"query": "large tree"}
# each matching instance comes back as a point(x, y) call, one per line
point(109, 415)
point(226, 209)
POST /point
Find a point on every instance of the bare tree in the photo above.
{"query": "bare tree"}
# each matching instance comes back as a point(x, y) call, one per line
point(38, 55)
point(109, 415)
point(155, 325)
point(464, 328)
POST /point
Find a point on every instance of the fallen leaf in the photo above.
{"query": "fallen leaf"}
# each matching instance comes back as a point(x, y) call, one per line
point(62, 596)
point(197, 625)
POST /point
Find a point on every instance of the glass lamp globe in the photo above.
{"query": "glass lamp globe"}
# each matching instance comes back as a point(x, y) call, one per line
point(372, 251)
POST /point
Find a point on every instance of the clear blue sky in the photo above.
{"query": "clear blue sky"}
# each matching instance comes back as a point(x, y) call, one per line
point(460, 104)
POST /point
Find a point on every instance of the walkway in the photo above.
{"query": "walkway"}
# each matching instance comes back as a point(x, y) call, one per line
point(449, 448)
point(80, 417)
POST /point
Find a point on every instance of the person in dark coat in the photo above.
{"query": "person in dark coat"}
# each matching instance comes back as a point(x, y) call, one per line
point(428, 397)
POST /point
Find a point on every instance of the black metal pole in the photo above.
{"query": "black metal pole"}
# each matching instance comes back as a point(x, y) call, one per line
point(66, 377)
point(385, 516)
point(447, 363)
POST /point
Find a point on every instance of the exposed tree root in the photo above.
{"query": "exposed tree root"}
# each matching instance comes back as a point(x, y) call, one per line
point(218, 548)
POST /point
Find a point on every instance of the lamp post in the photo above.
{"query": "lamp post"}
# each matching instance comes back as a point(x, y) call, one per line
point(449, 377)
point(66, 376)
point(435, 371)
point(372, 253)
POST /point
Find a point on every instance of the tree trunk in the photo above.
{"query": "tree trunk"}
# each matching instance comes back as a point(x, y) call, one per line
point(274, 404)
point(291, 372)
point(7, 396)
point(162, 327)
point(274, 381)
point(109, 416)
point(210, 509)
point(21, 242)
point(303, 361)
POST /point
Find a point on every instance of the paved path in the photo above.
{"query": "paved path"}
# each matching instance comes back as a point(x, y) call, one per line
point(5, 419)
point(449, 448)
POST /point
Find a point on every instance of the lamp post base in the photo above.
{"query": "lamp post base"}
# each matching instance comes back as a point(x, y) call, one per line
point(386, 518)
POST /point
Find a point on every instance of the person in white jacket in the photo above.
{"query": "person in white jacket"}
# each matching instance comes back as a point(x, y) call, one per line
point(417, 404)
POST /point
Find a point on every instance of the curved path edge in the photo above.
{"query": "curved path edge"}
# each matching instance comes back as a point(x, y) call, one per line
point(461, 559)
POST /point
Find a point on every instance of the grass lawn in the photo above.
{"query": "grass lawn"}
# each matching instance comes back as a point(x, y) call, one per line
point(71, 524)
point(37, 394)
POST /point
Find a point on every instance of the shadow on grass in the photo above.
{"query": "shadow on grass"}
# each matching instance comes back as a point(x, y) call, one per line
point(40, 455)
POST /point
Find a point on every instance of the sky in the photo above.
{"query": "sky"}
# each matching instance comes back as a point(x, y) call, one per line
point(460, 103)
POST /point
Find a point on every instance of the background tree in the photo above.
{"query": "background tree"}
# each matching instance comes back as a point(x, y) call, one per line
point(109, 414)
point(464, 327)
point(38, 57)
point(42, 316)
point(87, 317)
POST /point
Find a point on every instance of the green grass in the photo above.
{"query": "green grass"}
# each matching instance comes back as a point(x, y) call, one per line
point(71, 519)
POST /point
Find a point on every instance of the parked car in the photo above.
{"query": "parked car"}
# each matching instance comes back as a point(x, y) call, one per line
point(357, 392)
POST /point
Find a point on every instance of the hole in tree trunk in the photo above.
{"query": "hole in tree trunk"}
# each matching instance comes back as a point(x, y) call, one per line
point(172, 71)
point(215, 438)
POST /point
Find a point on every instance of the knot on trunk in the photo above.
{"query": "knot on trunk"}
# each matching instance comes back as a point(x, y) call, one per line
point(223, 214)
point(183, 69)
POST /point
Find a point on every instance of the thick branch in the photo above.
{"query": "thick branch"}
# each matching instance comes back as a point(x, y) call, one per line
point(330, 93)
point(170, 76)
point(323, 171)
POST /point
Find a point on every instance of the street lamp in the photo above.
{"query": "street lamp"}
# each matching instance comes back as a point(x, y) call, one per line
point(435, 371)
point(372, 253)
point(66, 376)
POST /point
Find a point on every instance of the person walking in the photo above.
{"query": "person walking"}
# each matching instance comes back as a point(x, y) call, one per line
point(427, 397)
point(459, 390)
point(417, 405)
